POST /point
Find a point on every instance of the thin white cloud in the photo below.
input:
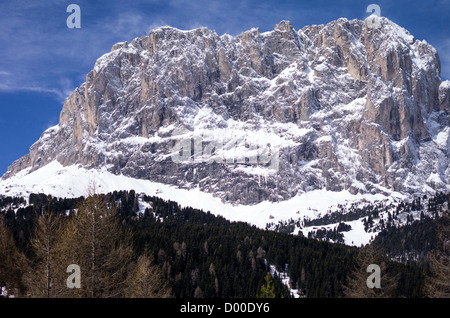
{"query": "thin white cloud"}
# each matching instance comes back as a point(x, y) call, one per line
point(42, 51)
point(42, 54)
point(59, 94)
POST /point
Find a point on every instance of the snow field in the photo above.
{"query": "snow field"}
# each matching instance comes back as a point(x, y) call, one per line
point(74, 181)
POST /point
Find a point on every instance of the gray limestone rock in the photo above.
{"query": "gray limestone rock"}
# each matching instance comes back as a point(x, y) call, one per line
point(337, 106)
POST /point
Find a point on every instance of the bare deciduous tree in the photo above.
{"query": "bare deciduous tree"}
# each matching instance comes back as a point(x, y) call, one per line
point(357, 286)
point(438, 283)
point(146, 280)
point(95, 241)
point(12, 264)
point(46, 275)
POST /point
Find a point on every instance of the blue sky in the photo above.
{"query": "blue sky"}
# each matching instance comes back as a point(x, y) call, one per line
point(42, 61)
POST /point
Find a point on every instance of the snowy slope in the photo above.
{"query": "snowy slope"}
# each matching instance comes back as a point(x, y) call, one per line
point(73, 181)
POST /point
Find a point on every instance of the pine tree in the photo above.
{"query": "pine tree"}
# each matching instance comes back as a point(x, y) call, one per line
point(267, 290)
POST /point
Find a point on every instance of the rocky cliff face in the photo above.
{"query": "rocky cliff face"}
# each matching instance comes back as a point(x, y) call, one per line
point(262, 116)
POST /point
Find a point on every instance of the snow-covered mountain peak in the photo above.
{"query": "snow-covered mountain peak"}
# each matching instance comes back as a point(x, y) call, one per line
point(351, 105)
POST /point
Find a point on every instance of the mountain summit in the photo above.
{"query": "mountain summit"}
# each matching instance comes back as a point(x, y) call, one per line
point(350, 105)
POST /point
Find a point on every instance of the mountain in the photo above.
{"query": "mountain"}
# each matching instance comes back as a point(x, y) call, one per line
point(349, 106)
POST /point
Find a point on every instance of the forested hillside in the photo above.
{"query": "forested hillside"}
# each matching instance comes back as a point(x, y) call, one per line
point(404, 229)
point(192, 253)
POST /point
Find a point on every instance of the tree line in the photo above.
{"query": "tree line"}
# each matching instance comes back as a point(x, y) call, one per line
point(88, 235)
point(166, 250)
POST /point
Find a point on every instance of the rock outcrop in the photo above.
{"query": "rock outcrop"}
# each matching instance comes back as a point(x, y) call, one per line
point(338, 106)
